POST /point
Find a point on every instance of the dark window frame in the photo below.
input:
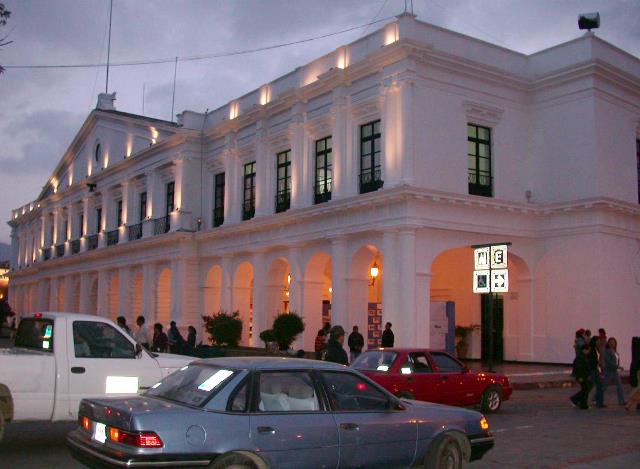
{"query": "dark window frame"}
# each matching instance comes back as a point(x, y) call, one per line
point(98, 153)
point(249, 191)
point(323, 161)
point(81, 225)
point(143, 206)
point(219, 182)
point(119, 212)
point(370, 172)
point(283, 181)
point(170, 198)
point(98, 219)
point(474, 174)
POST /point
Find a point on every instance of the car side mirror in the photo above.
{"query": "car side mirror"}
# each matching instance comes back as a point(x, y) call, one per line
point(395, 405)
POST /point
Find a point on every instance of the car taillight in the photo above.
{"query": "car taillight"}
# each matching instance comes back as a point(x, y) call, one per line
point(139, 440)
point(85, 423)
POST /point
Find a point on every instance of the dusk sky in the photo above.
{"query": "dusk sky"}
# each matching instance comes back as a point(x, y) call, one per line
point(42, 109)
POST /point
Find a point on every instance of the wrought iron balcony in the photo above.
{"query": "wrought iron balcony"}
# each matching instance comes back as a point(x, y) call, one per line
point(59, 250)
point(161, 225)
point(370, 181)
point(46, 253)
point(92, 242)
point(480, 184)
point(322, 192)
point(283, 201)
point(248, 210)
point(75, 246)
point(134, 231)
point(113, 237)
point(218, 216)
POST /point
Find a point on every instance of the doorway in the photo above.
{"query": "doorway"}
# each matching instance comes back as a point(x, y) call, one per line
point(498, 324)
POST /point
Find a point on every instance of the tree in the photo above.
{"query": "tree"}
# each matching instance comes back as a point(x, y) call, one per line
point(286, 327)
point(224, 328)
point(4, 16)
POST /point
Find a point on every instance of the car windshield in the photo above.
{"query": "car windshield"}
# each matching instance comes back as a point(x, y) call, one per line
point(192, 384)
point(375, 360)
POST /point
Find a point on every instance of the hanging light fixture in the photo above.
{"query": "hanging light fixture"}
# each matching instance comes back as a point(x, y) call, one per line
point(374, 272)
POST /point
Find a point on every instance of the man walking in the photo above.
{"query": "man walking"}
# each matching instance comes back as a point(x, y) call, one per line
point(356, 343)
point(582, 373)
point(335, 352)
point(142, 334)
point(387, 336)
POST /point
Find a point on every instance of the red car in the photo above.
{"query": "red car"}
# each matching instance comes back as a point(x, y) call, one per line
point(434, 376)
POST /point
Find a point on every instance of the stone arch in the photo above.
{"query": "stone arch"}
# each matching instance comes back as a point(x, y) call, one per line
point(163, 301)
point(318, 283)
point(242, 300)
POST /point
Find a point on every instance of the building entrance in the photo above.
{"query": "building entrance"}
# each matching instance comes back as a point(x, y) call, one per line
point(498, 323)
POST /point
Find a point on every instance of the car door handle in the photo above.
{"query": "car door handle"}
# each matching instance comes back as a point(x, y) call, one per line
point(350, 426)
point(78, 370)
point(267, 430)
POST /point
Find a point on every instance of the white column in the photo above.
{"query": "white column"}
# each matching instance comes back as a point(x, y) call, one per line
point(86, 216)
point(312, 295)
point(15, 247)
point(261, 317)
point(54, 284)
point(407, 125)
point(233, 182)
point(391, 285)
point(406, 334)
point(85, 293)
point(128, 210)
point(341, 132)
point(264, 169)
point(227, 284)
point(66, 285)
point(103, 293)
point(339, 313)
point(391, 129)
point(299, 158)
point(124, 293)
point(57, 228)
point(178, 271)
point(422, 330)
point(149, 293)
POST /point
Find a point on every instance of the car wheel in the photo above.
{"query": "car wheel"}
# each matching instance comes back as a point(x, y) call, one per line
point(237, 461)
point(405, 395)
point(491, 400)
point(444, 453)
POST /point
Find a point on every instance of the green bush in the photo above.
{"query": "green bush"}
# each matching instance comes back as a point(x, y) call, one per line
point(224, 328)
point(286, 328)
point(268, 336)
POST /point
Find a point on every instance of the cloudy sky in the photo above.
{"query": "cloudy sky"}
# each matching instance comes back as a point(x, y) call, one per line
point(41, 110)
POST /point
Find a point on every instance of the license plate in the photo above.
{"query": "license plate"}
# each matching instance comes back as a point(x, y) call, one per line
point(100, 432)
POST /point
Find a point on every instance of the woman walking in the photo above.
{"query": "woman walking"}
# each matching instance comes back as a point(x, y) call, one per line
point(634, 375)
point(612, 368)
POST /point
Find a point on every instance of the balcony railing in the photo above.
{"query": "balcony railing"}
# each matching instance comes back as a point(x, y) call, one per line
point(248, 210)
point(283, 201)
point(46, 253)
point(59, 250)
point(134, 231)
point(480, 184)
point(218, 216)
point(322, 192)
point(370, 181)
point(113, 237)
point(92, 242)
point(75, 246)
point(161, 225)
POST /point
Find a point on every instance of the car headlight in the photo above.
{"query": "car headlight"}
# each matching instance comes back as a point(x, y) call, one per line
point(484, 424)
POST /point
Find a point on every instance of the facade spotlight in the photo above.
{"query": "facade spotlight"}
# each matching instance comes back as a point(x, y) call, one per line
point(589, 21)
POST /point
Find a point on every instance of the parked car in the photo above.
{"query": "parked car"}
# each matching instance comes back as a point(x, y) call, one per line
point(59, 358)
point(433, 376)
point(259, 412)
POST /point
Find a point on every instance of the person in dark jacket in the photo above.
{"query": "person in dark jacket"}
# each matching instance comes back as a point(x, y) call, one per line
point(335, 352)
point(356, 342)
point(176, 341)
point(160, 342)
point(593, 359)
point(387, 336)
point(582, 373)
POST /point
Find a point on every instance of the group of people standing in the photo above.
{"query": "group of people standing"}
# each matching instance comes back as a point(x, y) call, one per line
point(597, 364)
point(332, 349)
point(171, 341)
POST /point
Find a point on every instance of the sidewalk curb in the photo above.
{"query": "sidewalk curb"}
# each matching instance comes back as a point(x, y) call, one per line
point(563, 383)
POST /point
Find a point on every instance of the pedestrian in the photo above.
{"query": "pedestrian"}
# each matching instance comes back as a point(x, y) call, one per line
point(602, 345)
point(356, 343)
point(612, 369)
point(634, 376)
point(160, 341)
point(579, 342)
point(387, 336)
point(594, 368)
point(587, 336)
point(320, 344)
point(122, 322)
point(142, 334)
point(335, 352)
point(582, 373)
point(176, 342)
point(191, 338)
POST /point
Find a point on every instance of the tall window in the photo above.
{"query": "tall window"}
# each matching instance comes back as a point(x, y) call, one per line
point(218, 200)
point(98, 219)
point(170, 207)
point(479, 156)
point(283, 181)
point(66, 230)
point(322, 190)
point(638, 160)
point(119, 213)
point(81, 222)
point(98, 153)
point(249, 198)
point(370, 150)
point(143, 206)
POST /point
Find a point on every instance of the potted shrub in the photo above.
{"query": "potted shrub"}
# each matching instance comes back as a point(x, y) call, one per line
point(286, 327)
point(269, 338)
point(224, 329)
point(463, 334)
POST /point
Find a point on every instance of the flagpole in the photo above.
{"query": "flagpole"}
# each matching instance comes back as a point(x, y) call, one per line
point(106, 86)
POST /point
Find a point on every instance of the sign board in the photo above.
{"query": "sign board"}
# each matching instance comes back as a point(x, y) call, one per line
point(481, 281)
point(499, 256)
point(500, 281)
point(481, 258)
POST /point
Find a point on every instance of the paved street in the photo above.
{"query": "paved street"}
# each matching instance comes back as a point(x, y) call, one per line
point(537, 429)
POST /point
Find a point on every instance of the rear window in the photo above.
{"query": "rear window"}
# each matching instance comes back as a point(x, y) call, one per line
point(192, 385)
point(35, 334)
point(375, 360)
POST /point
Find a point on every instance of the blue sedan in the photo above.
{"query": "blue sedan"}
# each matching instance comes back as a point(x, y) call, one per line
point(274, 413)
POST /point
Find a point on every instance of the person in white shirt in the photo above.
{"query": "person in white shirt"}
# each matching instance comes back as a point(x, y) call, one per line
point(142, 334)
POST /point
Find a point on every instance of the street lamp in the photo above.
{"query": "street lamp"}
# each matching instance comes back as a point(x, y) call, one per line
point(374, 272)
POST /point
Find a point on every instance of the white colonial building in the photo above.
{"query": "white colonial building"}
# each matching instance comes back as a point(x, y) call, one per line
point(396, 152)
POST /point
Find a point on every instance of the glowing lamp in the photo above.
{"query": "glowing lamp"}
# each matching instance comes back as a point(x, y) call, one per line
point(374, 272)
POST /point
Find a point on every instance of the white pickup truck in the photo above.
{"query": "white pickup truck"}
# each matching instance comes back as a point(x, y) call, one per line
point(60, 358)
